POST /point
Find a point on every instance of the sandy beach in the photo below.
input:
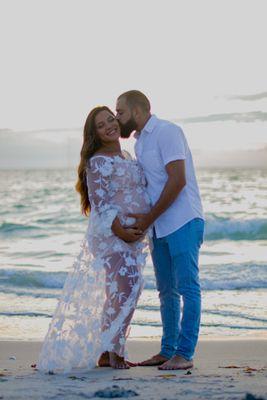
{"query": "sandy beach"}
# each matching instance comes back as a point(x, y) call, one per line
point(224, 369)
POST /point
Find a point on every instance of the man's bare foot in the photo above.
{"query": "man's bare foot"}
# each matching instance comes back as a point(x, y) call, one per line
point(117, 362)
point(176, 362)
point(104, 360)
point(158, 359)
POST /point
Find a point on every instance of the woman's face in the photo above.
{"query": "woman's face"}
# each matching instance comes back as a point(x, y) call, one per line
point(107, 127)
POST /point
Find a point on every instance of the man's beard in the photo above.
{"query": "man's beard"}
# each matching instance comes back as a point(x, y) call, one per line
point(128, 128)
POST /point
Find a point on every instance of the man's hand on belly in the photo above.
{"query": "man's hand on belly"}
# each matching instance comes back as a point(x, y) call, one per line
point(143, 221)
point(127, 234)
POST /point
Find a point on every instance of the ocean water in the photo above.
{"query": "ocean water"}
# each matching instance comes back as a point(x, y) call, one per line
point(41, 229)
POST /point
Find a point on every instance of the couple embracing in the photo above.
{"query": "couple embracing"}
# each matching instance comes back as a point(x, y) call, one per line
point(151, 202)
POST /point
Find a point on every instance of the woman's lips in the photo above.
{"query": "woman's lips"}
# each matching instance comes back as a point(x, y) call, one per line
point(113, 132)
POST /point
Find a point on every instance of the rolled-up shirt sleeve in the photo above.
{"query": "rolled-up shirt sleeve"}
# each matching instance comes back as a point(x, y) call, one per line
point(171, 144)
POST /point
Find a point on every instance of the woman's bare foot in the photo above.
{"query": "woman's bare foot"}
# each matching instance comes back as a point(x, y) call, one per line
point(176, 362)
point(117, 362)
point(104, 360)
point(158, 359)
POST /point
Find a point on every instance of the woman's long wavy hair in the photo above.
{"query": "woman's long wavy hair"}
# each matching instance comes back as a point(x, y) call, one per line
point(91, 143)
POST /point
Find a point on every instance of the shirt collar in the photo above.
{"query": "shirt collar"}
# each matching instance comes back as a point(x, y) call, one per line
point(149, 126)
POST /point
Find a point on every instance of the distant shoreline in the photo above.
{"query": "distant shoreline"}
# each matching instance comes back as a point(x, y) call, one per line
point(72, 168)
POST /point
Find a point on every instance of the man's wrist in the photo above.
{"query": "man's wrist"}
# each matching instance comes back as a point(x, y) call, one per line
point(152, 216)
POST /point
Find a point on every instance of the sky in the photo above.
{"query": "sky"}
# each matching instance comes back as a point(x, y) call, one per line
point(201, 63)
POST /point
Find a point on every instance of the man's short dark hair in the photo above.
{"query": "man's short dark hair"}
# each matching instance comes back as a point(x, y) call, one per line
point(136, 98)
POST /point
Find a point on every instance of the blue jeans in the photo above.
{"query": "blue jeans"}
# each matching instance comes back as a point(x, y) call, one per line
point(175, 259)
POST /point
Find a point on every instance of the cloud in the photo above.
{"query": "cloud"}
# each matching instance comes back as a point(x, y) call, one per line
point(45, 130)
point(39, 149)
point(50, 135)
point(230, 159)
point(236, 117)
point(5, 130)
point(249, 97)
point(49, 130)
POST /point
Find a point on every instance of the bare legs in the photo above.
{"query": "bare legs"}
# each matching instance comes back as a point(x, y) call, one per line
point(123, 288)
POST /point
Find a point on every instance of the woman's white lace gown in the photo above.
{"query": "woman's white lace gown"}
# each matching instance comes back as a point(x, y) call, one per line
point(101, 292)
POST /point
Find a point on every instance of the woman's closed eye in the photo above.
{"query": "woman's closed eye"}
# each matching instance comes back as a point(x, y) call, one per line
point(101, 124)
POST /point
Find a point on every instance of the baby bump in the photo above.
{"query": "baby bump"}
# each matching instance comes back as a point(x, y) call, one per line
point(137, 203)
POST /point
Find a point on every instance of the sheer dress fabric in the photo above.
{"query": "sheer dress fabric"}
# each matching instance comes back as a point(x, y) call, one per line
point(101, 291)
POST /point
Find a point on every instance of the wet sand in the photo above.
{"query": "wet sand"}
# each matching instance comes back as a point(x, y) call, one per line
point(224, 369)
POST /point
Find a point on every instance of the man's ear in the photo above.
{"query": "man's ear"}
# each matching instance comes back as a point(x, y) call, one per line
point(136, 112)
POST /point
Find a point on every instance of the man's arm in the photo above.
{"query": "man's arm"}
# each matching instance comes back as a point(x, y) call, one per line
point(174, 185)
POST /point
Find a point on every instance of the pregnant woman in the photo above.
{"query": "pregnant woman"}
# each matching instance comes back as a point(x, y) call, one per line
point(91, 321)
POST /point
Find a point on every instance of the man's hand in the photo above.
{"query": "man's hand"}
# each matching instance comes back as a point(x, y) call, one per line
point(142, 223)
point(128, 235)
point(131, 235)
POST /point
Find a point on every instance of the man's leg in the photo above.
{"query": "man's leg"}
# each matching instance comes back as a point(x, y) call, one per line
point(168, 295)
point(169, 302)
point(184, 247)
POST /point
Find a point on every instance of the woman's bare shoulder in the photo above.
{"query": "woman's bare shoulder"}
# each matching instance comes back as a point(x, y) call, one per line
point(126, 155)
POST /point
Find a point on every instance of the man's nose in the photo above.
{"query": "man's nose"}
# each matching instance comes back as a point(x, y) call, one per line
point(117, 116)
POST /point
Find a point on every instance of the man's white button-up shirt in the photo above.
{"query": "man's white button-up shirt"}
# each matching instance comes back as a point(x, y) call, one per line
point(159, 143)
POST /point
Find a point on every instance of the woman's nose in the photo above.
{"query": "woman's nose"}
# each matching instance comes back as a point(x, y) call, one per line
point(109, 125)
